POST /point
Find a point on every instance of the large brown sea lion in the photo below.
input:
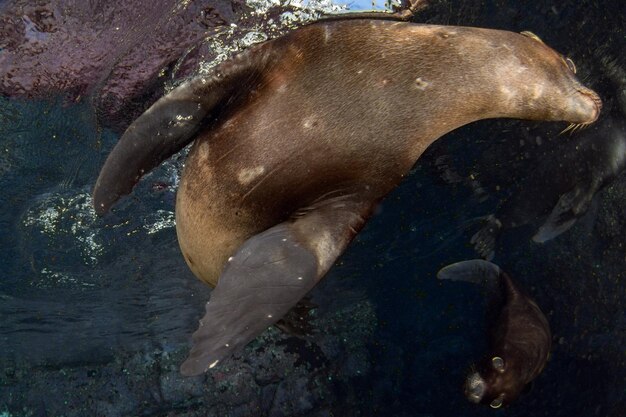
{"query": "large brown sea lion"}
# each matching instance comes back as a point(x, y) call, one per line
point(298, 138)
point(519, 335)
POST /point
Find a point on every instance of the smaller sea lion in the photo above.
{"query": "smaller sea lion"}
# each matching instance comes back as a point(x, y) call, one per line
point(560, 187)
point(519, 336)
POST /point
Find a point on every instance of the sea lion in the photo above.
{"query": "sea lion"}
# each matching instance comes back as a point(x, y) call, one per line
point(519, 336)
point(560, 187)
point(297, 139)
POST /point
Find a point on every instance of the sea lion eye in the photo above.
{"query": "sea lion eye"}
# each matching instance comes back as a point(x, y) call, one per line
point(497, 403)
point(498, 363)
point(570, 65)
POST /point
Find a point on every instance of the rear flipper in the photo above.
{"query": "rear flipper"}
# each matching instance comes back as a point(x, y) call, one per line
point(173, 121)
point(570, 207)
point(476, 271)
point(267, 276)
point(484, 241)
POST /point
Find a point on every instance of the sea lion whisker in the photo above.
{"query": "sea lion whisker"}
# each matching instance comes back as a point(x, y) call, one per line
point(574, 128)
point(578, 127)
point(567, 129)
point(328, 195)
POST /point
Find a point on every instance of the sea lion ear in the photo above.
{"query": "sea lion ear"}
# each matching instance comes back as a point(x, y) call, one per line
point(497, 403)
point(570, 64)
point(498, 364)
point(531, 35)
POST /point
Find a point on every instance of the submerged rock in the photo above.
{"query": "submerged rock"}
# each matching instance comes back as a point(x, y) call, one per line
point(267, 378)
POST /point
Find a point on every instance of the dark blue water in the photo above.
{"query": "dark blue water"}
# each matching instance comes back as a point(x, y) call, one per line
point(96, 313)
point(61, 289)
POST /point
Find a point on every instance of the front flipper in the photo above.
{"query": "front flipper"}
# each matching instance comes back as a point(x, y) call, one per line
point(173, 121)
point(267, 276)
point(570, 207)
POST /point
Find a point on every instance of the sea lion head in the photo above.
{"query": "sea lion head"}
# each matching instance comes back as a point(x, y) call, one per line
point(494, 383)
point(538, 83)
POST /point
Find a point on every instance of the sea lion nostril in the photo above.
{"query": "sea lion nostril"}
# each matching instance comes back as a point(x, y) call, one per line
point(594, 96)
point(598, 102)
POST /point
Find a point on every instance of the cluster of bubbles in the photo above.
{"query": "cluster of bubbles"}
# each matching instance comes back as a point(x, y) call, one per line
point(55, 214)
point(263, 24)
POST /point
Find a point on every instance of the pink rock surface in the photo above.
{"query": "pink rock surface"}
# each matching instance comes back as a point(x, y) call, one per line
point(110, 50)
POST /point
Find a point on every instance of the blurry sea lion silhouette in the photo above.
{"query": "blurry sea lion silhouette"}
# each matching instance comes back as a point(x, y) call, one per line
point(561, 186)
point(519, 335)
point(298, 139)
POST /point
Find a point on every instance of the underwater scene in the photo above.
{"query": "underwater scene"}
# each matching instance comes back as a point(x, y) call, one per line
point(312, 208)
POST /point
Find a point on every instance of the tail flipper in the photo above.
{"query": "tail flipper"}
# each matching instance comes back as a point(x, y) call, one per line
point(477, 271)
point(484, 241)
